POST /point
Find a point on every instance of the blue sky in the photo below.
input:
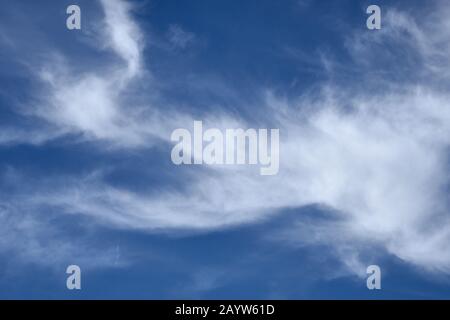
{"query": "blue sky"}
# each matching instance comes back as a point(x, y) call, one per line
point(86, 176)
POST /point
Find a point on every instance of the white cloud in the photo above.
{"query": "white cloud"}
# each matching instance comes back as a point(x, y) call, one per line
point(91, 103)
point(178, 37)
point(29, 236)
point(122, 34)
point(382, 167)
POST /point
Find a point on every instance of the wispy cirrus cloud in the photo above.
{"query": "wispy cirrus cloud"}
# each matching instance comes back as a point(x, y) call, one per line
point(178, 37)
